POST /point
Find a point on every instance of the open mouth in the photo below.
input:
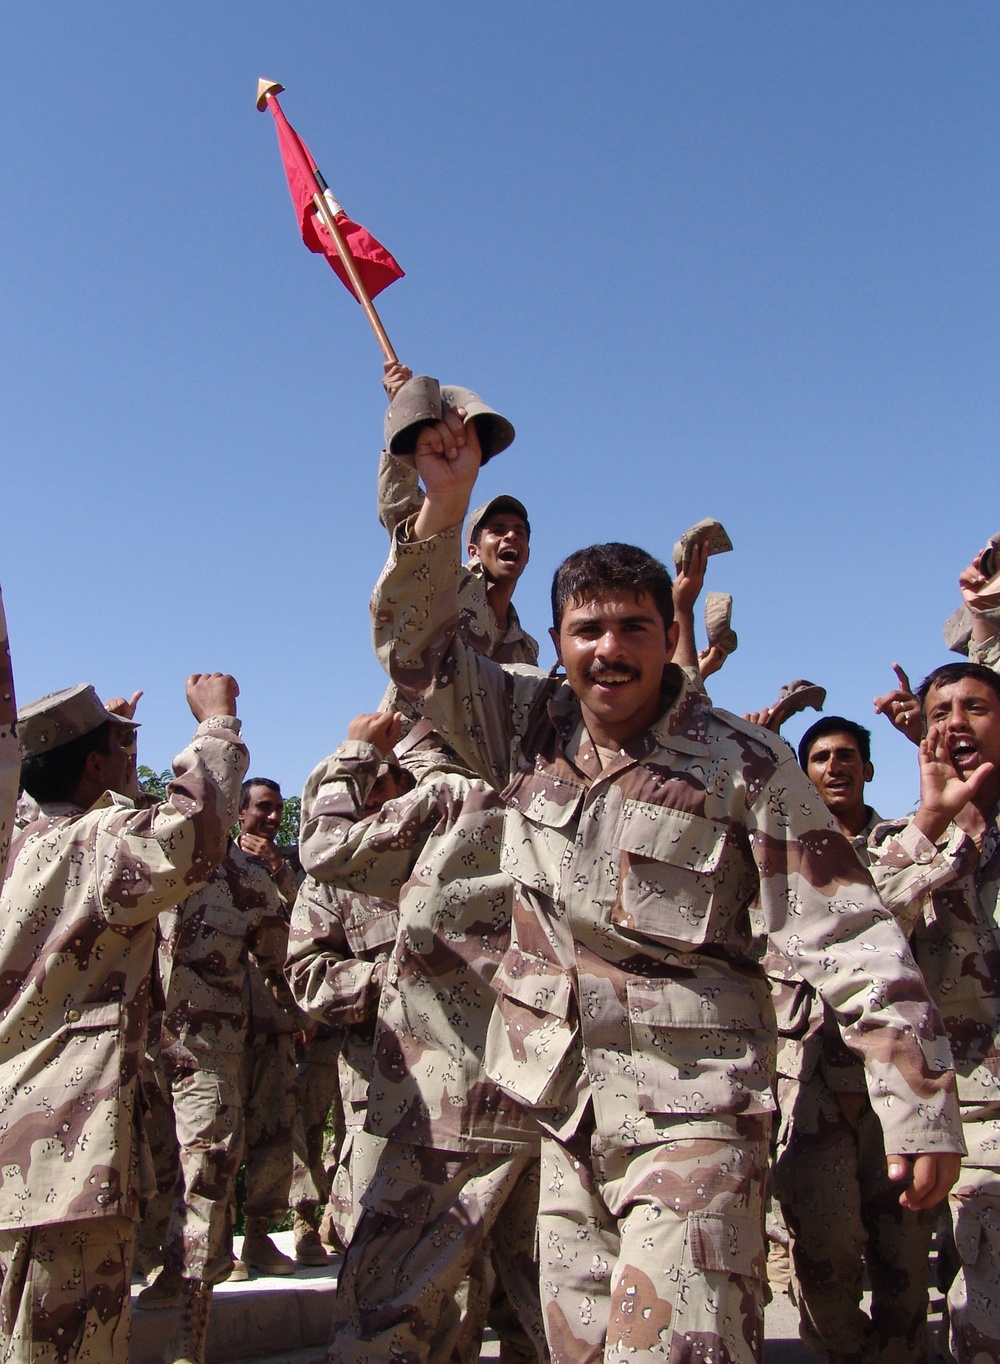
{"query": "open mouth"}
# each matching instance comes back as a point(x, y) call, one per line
point(612, 677)
point(963, 754)
point(509, 556)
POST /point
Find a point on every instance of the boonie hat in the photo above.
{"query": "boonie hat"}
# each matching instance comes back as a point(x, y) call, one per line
point(422, 400)
point(62, 716)
point(503, 502)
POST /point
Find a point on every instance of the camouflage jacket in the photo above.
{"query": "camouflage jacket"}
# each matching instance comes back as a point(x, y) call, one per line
point(272, 1005)
point(987, 653)
point(437, 851)
point(338, 947)
point(947, 896)
point(630, 979)
point(808, 1034)
point(203, 947)
point(10, 754)
point(399, 497)
point(77, 937)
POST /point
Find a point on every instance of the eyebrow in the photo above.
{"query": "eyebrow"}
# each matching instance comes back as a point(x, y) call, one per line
point(618, 620)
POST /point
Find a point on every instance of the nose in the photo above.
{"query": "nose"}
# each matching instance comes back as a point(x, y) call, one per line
point(609, 645)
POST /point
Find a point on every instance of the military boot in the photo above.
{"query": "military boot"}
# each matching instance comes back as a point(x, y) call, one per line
point(164, 1291)
point(308, 1246)
point(188, 1344)
point(260, 1252)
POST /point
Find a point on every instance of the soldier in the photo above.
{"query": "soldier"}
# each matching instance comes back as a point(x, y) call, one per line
point(77, 935)
point(338, 946)
point(830, 1176)
point(939, 872)
point(10, 753)
point(202, 951)
point(456, 1178)
point(640, 824)
point(269, 1080)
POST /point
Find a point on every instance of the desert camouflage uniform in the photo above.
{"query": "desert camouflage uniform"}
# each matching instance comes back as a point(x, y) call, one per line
point(399, 496)
point(77, 936)
point(832, 1182)
point(202, 957)
point(338, 946)
point(457, 1177)
point(10, 755)
point(630, 1013)
point(269, 1077)
point(948, 895)
point(986, 653)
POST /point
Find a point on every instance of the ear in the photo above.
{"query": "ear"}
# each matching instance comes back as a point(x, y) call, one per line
point(868, 772)
point(673, 634)
point(554, 636)
point(473, 551)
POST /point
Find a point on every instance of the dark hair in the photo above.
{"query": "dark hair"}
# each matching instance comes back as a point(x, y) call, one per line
point(611, 568)
point(954, 672)
point(55, 775)
point(256, 781)
point(835, 724)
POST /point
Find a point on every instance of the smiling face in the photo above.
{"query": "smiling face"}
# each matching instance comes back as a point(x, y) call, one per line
point(262, 813)
point(967, 713)
point(614, 648)
point(502, 547)
point(839, 773)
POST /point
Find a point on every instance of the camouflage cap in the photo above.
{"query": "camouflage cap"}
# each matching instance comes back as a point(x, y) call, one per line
point(503, 502)
point(62, 716)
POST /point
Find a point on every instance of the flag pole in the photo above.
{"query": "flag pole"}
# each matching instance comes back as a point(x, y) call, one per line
point(265, 89)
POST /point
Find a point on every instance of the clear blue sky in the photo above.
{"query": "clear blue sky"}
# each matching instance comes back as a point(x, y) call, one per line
point(737, 260)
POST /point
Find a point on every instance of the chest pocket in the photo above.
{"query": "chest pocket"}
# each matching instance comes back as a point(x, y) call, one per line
point(538, 829)
point(668, 870)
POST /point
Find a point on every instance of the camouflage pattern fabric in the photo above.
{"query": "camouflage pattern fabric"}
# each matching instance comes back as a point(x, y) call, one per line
point(10, 753)
point(436, 849)
point(428, 1217)
point(76, 950)
point(948, 896)
point(318, 1087)
point(337, 951)
point(974, 1295)
point(399, 498)
point(269, 1087)
point(844, 1216)
point(658, 1251)
point(629, 984)
point(835, 1193)
point(156, 1115)
point(64, 1292)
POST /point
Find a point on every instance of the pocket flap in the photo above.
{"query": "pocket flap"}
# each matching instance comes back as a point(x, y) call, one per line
point(85, 1017)
point(543, 798)
point(726, 1244)
point(534, 982)
point(716, 1004)
point(672, 836)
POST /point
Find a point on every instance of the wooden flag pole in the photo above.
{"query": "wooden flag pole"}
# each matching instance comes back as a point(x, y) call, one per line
point(265, 89)
point(351, 270)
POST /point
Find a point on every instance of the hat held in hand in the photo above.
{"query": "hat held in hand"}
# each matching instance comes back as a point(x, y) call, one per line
point(422, 401)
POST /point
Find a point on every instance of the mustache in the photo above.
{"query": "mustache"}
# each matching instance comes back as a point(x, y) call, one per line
point(599, 670)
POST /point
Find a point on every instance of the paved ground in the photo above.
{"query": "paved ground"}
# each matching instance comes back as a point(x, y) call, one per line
point(285, 1321)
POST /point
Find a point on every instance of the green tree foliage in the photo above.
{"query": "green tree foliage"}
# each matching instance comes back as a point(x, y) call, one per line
point(288, 831)
point(155, 783)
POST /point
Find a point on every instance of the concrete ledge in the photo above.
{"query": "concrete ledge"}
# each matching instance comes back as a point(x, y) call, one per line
point(270, 1319)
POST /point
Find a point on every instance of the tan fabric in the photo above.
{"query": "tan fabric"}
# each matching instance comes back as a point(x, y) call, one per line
point(64, 1292)
point(77, 936)
point(630, 965)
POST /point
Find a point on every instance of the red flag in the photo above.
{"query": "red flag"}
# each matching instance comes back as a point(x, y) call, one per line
point(374, 263)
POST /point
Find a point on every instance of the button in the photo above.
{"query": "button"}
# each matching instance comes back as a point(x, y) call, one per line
point(72, 1015)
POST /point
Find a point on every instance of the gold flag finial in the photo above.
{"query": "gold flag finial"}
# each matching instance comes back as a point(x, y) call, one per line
point(265, 88)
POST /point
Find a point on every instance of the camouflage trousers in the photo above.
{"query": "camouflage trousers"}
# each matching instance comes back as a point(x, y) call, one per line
point(269, 1086)
point(844, 1216)
point(196, 1173)
point(64, 1292)
point(974, 1296)
point(429, 1218)
point(318, 1101)
point(655, 1252)
point(356, 1161)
